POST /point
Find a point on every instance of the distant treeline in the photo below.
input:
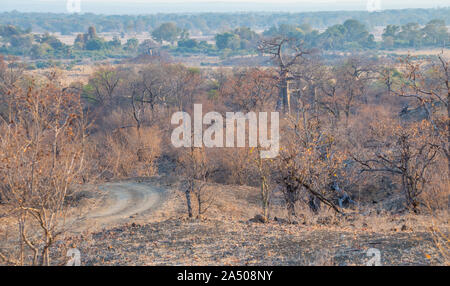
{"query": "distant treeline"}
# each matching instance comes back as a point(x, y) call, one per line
point(18, 42)
point(351, 35)
point(211, 23)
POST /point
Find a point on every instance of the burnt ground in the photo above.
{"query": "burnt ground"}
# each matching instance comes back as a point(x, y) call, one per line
point(228, 234)
point(212, 242)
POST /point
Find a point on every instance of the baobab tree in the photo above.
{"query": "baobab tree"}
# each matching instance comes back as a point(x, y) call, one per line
point(285, 53)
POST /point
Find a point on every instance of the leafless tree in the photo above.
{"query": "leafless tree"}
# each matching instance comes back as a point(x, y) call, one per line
point(408, 152)
point(196, 170)
point(184, 84)
point(308, 161)
point(42, 157)
point(428, 84)
point(265, 188)
point(104, 83)
point(352, 79)
point(250, 90)
point(11, 72)
point(285, 53)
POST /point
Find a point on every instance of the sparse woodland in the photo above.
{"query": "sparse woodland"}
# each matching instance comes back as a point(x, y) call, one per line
point(349, 127)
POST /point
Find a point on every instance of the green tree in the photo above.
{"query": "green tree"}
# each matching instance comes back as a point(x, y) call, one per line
point(115, 43)
point(288, 31)
point(54, 42)
point(22, 44)
point(166, 32)
point(350, 35)
point(9, 31)
point(132, 45)
point(187, 43)
point(95, 45)
point(40, 51)
point(391, 31)
point(411, 35)
point(228, 41)
point(355, 31)
point(333, 37)
point(435, 33)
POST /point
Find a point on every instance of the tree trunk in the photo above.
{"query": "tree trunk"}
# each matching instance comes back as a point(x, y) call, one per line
point(291, 203)
point(188, 198)
point(285, 97)
point(199, 201)
point(265, 200)
point(314, 204)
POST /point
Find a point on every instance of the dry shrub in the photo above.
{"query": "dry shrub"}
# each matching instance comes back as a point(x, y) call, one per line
point(237, 162)
point(440, 235)
point(125, 149)
point(128, 153)
point(437, 195)
point(42, 159)
point(436, 199)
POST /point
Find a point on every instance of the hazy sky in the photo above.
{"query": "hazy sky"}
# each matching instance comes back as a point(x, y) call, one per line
point(166, 6)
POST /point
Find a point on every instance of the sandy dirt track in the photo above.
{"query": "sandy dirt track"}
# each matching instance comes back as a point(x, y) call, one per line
point(120, 202)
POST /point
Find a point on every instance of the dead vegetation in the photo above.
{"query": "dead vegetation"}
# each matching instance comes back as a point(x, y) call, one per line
point(351, 163)
point(228, 235)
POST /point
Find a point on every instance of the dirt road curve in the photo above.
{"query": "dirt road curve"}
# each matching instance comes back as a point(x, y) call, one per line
point(121, 201)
